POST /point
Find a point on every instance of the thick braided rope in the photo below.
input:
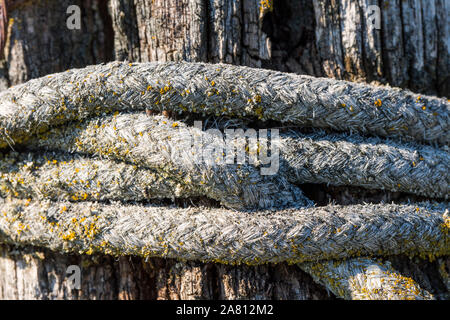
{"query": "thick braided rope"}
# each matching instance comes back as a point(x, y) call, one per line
point(372, 163)
point(365, 279)
point(219, 235)
point(158, 143)
point(62, 176)
point(229, 90)
point(31, 109)
point(443, 271)
point(334, 159)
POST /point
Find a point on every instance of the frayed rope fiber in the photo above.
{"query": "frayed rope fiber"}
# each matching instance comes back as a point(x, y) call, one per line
point(225, 236)
point(80, 161)
point(221, 89)
point(62, 176)
point(365, 279)
point(336, 159)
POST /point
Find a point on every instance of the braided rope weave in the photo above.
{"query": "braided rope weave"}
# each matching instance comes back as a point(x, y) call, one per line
point(92, 156)
point(365, 279)
point(314, 158)
point(220, 235)
point(221, 89)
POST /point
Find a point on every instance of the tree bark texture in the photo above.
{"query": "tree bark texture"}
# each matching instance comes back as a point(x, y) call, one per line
point(334, 38)
point(39, 43)
point(329, 38)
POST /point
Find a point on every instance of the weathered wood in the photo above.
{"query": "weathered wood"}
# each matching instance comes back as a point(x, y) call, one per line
point(352, 46)
point(35, 273)
point(39, 43)
point(323, 38)
point(4, 83)
point(328, 37)
point(443, 56)
point(3, 25)
point(169, 30)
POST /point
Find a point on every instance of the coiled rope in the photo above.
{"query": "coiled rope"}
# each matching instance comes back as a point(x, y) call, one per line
point(69, 165)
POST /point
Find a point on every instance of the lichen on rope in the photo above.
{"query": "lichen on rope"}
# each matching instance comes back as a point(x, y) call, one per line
point(76, 148)
point(221, 90)
point(220, 235)
point(336, 159)
point(61, 176)
point(158, 143)
point(365, 279)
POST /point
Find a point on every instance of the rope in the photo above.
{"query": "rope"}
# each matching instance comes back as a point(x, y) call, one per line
point(365, 279)
point(225, 236)
point(62, 176)
point(336, 159)
point(85, 150)
point(221, 89)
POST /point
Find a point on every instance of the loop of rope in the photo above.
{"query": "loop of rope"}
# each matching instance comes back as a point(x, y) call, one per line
point(80, 159)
